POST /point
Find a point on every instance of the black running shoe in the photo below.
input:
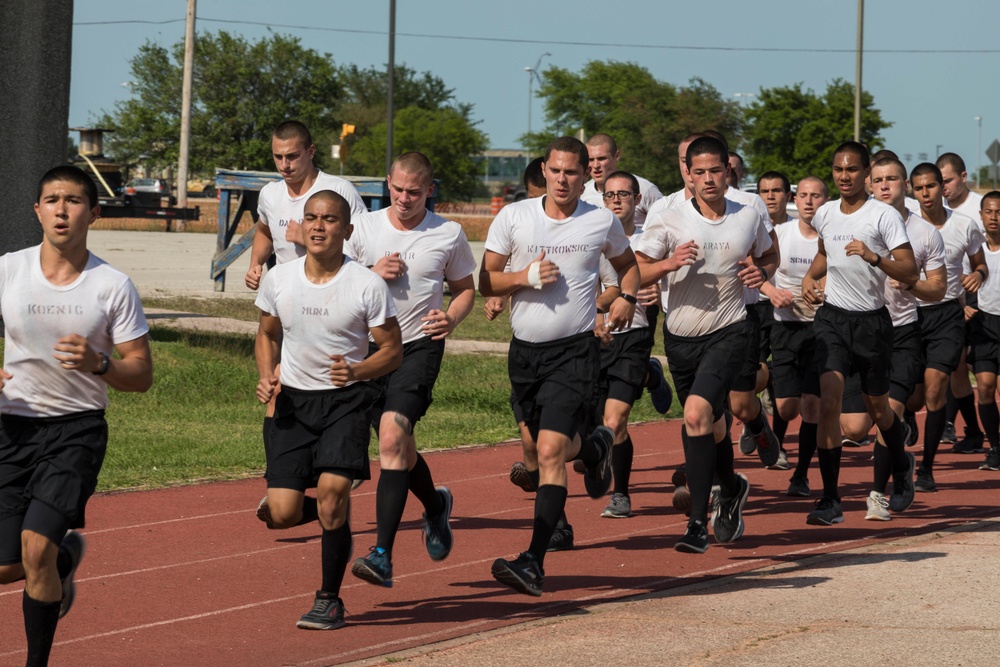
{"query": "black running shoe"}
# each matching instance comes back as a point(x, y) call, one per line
point(437, 531)
point(992, 461)
point(562, 537)
point(826, 513)
point(727, 521)
point(695, 540)
point(912, 430)
point(327, 613)
point(597, 478)
point(375, 568)
point(75, 546)
point(902, 487)
point(925, 481)
point(972, 443)
point(523, 574)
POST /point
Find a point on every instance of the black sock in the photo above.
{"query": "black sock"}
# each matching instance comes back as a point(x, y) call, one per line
point(40, 621)
point(894, 444)
point(336, 552)
point(422, 486)
point(780, 427)
point(829, 468)
point(534, 476)
point(933, 428)
point(621, 465)
point(550, 501)
point(310, 510)
point(724, 472)
point(950, 405)
point(990, 416)
point(757, 424)
point(967, 406)
point(807, 448)
point(390, 501)
point(882, 468)
point(701, 452)
point(590, 452)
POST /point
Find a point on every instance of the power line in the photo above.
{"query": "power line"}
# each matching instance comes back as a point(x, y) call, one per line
point(544, 42)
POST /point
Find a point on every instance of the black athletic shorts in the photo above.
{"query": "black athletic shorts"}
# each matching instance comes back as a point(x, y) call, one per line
point(624, 364)
point(408, 389)
point(765, 316)
point(555, 383)
point(855, 341)
point(706, 366)
point(792, 367)
point(746, 377)
point(48, 471)
point(319, 431)
point(905, 373)
point(942, 329)
point(985, 355)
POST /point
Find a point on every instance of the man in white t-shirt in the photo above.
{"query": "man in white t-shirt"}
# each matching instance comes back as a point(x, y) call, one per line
point(604, 157)
point(320, 310)
point(853, 328)
point(700, 250)
point(958, 197)
point(416, 252)
point(942, 325)
point(65, 311)
point(795, 380)
point(889, 184)
point(554, 245)
point(736, 170)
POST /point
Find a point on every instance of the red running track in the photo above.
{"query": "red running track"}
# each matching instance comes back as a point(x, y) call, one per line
point(188, 576)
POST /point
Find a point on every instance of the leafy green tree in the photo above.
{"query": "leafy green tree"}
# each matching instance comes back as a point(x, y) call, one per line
point(794, 131)
point(648, 118)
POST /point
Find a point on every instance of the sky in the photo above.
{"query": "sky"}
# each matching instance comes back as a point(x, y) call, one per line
point(928, 64)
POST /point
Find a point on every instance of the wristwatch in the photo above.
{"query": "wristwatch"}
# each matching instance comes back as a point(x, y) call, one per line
point(105, 364)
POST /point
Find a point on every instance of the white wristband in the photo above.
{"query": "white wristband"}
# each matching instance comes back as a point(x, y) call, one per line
point(535, 275)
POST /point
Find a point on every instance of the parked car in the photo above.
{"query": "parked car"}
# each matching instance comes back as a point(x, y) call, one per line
point(149, 191)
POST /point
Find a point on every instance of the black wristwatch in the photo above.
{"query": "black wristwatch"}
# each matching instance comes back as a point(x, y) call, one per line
point(629, 297)
point(878, 260)
point(105, 364)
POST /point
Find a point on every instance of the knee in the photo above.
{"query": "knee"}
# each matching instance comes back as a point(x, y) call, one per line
point(617, 423)
point(550, 455)
point(394, 436)
point(333, 511)
point(788, 410)
point(38, 553)
point(697, 422)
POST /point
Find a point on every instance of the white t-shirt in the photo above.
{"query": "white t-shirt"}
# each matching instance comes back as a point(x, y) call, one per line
point(989, 291)
point(650, 194)
point(101, 305)
point(707, 295)
point(276, 207)
point(434, 251)
point(320, 320)
point(797, 254)
point(962, 238)
point(851, 282)
point(929, 253)
point(568, 306)
point(912, 205)
point(970, 209)
point(609, 277)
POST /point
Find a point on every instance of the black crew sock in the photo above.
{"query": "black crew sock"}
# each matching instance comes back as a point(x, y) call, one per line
point(780, 427)
point(990, 416)
point(967, 406)
point(534, 476)
point(422, 486)
point(724, 472)
point(701, 458)
point(807, 448)
point(757, 424)
point(893, 437)
point(390, 501)
point(621, 465)
point(310, 510)
point(40, 621)
point(336, 552)
point(882, 468)
point(829, 468)
point(550, 501)
point(950, 405)
point(933, 428)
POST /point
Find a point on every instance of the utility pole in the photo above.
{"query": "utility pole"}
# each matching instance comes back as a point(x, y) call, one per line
point(389, 152)
point(857, 71)
point(185, 147)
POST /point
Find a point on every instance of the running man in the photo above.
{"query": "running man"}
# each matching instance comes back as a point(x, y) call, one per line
point(986, 348)
point(320, 309)
point(702, 248)
point(554, 244)
point(604, 156)
point(853, 329)
point(416, 252)
point(65, 312)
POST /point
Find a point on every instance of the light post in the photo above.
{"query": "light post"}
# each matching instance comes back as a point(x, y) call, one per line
point(979, 151)
point(532, 75)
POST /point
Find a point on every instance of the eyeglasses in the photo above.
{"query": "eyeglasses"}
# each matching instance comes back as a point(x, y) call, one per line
point(620, 194)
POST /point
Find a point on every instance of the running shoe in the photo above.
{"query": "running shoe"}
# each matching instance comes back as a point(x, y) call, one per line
point(75, 547)
point(949, 437)
point(768, 447)
point(519, 477)
point(727, 520)
point(375, 568)
point(264, 513)
point(327, 613)
point(902, 487)
point(682, 496)
point(992, 461)
point(523, 574)
point(748, 445)
point(781, 463)
point(620, 507)
point(826, 513)
point(695, 540)
point(661, 395)
point(437, 530)
point(912, 430)
point(798, 487)
point(925, 482)
point(972, 443)
point(597, 479)
point(562, 537)
point(878, 507)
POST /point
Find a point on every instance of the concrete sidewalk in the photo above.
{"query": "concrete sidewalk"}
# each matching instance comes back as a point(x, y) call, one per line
point(926, 600)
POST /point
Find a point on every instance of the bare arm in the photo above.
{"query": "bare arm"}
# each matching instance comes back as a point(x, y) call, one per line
point(263, 248)
point(621, 311)
point(386, 359)
point(812, 289)
point(652, 270)
point(494, 281)
point(930, 289)
point(266, 348)
point(899, 265)
point(975, 278)
point(439, 324)
point(132, 371)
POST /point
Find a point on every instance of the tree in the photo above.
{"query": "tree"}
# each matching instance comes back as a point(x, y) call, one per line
point(647, 118)
point(427, 119)
point(241, 92)
point(794, 131)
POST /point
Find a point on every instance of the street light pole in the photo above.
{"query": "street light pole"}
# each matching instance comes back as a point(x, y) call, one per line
point(532, 75)
point(979, 152)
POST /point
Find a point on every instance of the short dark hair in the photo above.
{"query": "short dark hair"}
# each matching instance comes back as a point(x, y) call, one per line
point(953, 160)
point(771, 175)
point(414, 162)
point(707, 146)
point(569, 145)
point(293, 129)
point(925, 168)
point(70, 174)
point(992, 194)
point(603, 139)
point(885, 152)
point(715, 134)
point(892, 160)
point(533, 174)
point(336, 198)
point(857, 148)
point(624, 174)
